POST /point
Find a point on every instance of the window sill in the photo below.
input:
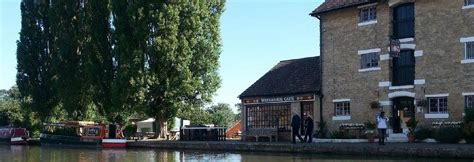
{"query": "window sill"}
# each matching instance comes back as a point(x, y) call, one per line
point(401, 87)
point(370, 69)
point(367, 23)
point(467, 61)
point(467, 7)
point(436, 116)
point(341, 118)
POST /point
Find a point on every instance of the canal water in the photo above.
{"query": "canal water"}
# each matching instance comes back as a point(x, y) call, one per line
point(71, 154)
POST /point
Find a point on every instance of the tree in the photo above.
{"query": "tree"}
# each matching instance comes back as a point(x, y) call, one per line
point(10, 107)
point(34, 58)
point(182, 57)
point(221, 114)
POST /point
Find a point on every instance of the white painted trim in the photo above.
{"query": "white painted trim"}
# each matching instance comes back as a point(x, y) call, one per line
point(369, 69)
point(467, 7)
point(114, 141)
point(404, 40)
point(401, 87)
point(367, 5)
point(418, 53)
point(366, 51)
point(385, 103)
point(384, 57)
point(408, 46)
point(341, 100)
point(436, 116)
point(420, 82)
point(438, 95)
point(401, 94)
point(341, 118)
point(367, 23)
point(468, 93)
point(467, 61)
point(385, 84)
point(16, 139)
point(466, 39)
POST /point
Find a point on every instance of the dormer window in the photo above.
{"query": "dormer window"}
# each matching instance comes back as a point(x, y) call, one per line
point(367, 14)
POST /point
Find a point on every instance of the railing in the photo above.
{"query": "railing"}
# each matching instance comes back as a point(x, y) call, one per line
point(202, 134)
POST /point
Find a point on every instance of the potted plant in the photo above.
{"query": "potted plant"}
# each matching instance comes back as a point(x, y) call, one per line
point(411, 124)
point(370, 131)
point(374, 105)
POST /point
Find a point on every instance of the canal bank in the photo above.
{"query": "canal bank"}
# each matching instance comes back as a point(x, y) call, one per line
point(432, 150)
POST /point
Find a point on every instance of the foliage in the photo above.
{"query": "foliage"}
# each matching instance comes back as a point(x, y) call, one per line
point(468, 115)
point(423, 133)
point(369, 127)
point(448, 135)
point(374, 104)
point(196, 115)
point(468, 126)
point(411, 124)
point(221, 115)
point(10, 108)
point(322, 131)
point(129, 130)
point(339, 134)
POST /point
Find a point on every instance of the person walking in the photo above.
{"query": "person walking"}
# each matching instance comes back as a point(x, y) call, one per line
point(296, 123)
point(309, 125)
point(382, 127)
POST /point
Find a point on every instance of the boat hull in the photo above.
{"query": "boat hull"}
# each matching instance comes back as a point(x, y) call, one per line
point(68, 140)
point(114, 143)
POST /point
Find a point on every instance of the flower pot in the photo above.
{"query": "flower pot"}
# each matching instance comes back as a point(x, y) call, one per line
point(411, 138)
point(370, 138)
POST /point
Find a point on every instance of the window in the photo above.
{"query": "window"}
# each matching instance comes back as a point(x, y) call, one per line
point(469, 102)
point(438, 105)
point(369, 60)
point(404, 21)
point(367, 14)
point(403, 70)
point(269, 116)
point(342, 108)
point(469, 51)
point(468, 2)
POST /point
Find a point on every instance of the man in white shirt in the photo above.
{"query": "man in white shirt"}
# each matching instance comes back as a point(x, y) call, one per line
point(382, 127)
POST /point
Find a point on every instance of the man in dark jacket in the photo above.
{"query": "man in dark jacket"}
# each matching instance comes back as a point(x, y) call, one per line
point(295, 123)
point(309, 125)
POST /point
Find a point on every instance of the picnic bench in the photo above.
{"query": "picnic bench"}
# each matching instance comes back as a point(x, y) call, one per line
point(262, 132)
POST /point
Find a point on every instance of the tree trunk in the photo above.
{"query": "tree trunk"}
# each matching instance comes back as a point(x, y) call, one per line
point(163, 130)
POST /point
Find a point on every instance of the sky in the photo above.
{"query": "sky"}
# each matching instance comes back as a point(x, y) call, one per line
point(256, 35)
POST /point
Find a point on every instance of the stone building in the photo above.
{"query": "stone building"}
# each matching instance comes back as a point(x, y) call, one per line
point(435, 65)
point(290, 87)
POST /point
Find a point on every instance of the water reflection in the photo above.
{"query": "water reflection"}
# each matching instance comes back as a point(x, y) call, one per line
point(71, 154)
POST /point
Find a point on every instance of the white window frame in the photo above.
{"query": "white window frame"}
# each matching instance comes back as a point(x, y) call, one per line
point(343, 112)
point(437, 98)
point(467, 5)
point(465, 50)
point(375, 57)
point(368, 9)
point(468, 104)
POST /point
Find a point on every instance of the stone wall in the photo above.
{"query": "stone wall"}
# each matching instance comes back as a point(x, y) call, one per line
point(439, 25)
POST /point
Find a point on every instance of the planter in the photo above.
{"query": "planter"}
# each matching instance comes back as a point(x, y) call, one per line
point(411, 138)
point(370, 138)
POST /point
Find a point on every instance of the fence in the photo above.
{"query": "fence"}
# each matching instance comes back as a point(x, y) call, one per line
point(203, 134)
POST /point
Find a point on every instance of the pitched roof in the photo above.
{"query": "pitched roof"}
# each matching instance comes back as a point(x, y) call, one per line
point(330, 5)
point(288, 77)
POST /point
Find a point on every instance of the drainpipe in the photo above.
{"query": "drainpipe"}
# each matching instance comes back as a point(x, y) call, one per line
point(321, 95)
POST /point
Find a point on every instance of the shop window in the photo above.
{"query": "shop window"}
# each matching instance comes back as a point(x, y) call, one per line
point(438, 105)
point(367, 14)
point(269, 116)
point(469, 50)
point(369, 60)
point(342, 108)
point(469, 102)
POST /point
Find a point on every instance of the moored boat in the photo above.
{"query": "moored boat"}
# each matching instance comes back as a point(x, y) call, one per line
point(13, 136)
point(83, 133)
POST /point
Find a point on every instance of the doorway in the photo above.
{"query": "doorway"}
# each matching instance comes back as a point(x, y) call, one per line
point(402, 110)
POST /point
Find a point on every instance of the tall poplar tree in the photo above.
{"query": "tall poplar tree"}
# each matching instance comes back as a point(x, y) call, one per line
point(34, 58)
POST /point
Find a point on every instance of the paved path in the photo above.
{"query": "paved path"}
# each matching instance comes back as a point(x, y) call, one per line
point(390, 149)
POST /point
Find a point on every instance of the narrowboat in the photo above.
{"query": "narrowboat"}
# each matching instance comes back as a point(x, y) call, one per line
point(13, 136)
point(83, 133)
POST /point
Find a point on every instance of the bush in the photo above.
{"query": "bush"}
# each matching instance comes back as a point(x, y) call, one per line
point(448, 135)
point(339, 134)
point(468, 126)
point(469, 115)
point(423, 134)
